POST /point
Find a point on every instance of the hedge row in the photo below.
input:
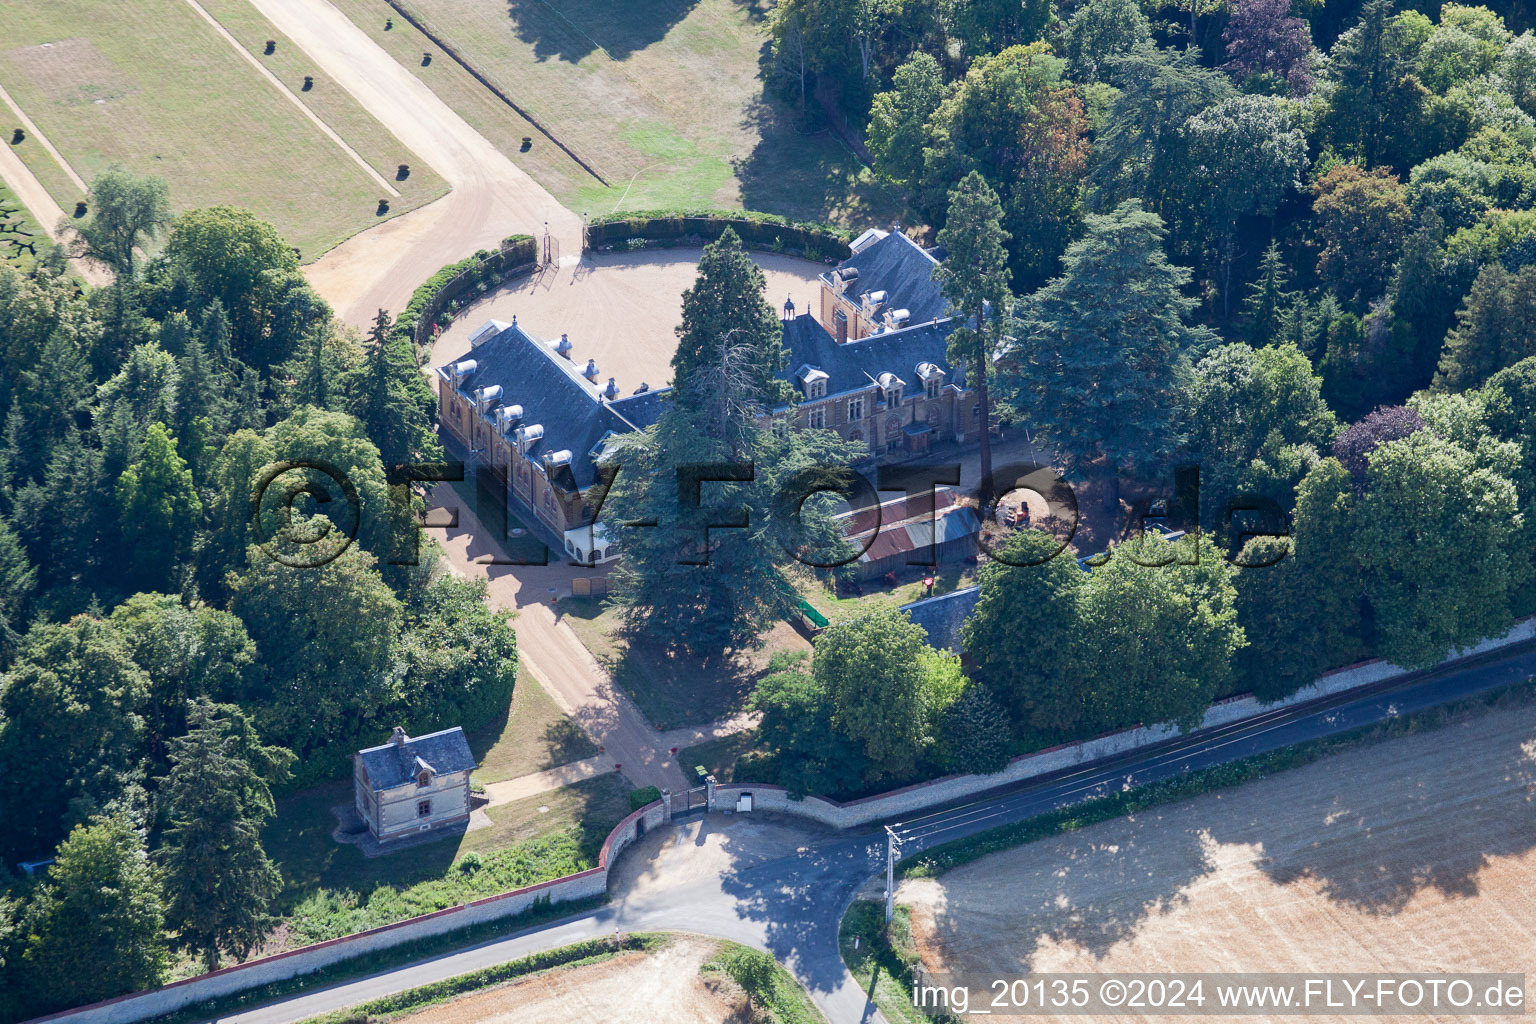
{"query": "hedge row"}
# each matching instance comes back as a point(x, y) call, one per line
point(757, 231)
point(588, 951)
point(444, 288)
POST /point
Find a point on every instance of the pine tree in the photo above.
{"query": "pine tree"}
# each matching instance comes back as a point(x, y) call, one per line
point(1268, 298)
point(218, 880)
point(378, 395)
point(728, 328)
point(1104, 346)
point(974, 278)
point(1496, 327)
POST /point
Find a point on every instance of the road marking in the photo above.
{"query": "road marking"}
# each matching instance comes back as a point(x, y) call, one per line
point(33, 132)
point(277, 83)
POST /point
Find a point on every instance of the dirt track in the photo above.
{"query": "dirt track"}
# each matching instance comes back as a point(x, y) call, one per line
point(491, 196)
point(634, 987)
point(1413, 855)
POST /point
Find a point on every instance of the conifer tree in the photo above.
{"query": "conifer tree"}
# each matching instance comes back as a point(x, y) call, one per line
point(218, 880)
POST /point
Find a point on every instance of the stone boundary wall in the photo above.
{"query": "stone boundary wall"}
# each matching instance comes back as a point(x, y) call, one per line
point(934, 793)
point(140, 1006)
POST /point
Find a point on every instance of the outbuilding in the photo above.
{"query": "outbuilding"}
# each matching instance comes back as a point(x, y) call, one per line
point(415, 784)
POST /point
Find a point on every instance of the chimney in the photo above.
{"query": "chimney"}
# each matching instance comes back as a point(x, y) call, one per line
point(564, 348)
point(612, 390)
point(590, 370)
point(399, 737)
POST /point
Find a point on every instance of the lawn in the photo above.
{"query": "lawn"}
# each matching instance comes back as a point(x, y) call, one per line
point(153, 86)
point(880, 958)
point(663, 99)
point(878, 596)
point(332, 889)
point(719, 756)
point(535, 735)
point(672, 689)
point(21, 239)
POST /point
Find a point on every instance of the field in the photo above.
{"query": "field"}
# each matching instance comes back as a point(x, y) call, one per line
point(664, 984)
point(663, 100)
point(154, 86)
point(1414, 854)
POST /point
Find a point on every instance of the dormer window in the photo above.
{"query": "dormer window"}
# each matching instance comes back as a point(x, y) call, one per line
point(812, 381)
point(891, 387)
point(423, 779)
point(932, 378)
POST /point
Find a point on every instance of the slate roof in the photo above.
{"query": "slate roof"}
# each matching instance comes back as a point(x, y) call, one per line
point(942, 616)
point(390, 765)
point(857, 364)
point(903, 270)
point(554, 395)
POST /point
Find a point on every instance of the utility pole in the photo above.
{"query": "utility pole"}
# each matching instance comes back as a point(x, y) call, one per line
point(892, 853)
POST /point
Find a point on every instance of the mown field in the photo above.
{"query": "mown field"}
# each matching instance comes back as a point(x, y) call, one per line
point(663, 99)
point(154, 86)
point(1413, 854)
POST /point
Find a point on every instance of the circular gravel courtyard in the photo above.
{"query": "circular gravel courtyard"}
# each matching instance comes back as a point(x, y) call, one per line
point(621, 310)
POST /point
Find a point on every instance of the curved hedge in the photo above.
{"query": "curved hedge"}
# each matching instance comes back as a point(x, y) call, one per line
point(444, 288)
point(695, 227)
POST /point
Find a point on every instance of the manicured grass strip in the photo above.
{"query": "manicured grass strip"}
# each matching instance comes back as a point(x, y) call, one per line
point(880, 961)
point(787, 1000)
point(382, 960)
point(153, 86)
point(578, 954)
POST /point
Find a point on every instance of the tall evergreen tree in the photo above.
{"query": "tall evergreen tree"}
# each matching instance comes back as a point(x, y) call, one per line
point(218, 880)
point(379, 396)
point(974, 278)
point(727, 319)
point(1377, 105)
point(1268, 297)
point(1103, 349)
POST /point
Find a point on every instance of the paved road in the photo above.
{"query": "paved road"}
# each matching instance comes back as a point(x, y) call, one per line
point(492, 197)
point(711, 877)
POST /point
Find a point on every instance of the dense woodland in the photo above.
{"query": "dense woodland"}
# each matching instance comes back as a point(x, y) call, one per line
point(161, 674)
point(1292, 244)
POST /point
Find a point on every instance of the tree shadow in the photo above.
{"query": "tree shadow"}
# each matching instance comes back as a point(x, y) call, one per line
point(799, 901)
point(677, 688)
point(1078, 893)
point(807, 175)
point(564, 742)
point(576, 28)
point(1436, 827)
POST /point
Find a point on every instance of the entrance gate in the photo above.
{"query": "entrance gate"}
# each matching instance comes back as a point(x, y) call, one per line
point(694, 799)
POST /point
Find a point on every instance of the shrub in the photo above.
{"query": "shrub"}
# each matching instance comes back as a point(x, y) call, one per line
point(638, 798)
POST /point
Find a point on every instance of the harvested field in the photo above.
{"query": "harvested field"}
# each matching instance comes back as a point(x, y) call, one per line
point(156, 87)
point(1415, 854)
point(664, 985)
